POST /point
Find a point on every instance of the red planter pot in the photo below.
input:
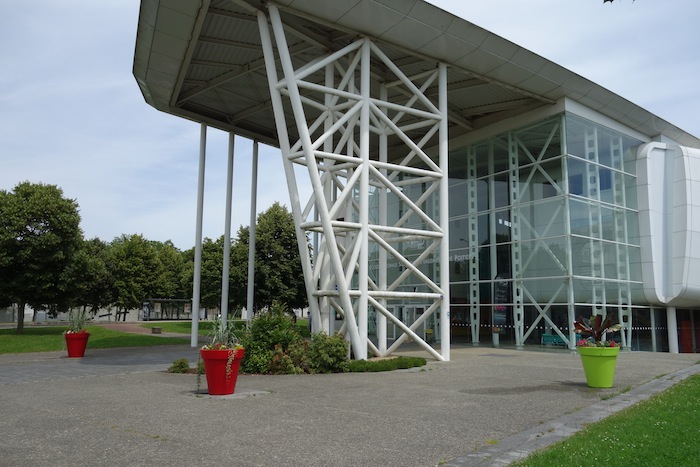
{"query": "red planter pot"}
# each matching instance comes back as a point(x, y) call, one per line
point(76, 342)
point(221, 382)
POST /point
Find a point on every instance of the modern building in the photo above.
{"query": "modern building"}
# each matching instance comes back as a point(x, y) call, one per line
point(464, 188)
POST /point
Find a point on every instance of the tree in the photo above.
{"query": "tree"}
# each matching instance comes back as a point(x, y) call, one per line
point(173, 263)
point(210, 279)
point(136, 268)
point(39, 233)
point(87, 278)
point(278, 273)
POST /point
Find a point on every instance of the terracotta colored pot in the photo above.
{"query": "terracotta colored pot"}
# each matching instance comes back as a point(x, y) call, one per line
point(599, 365)
point(220, 379)
point(76, 342)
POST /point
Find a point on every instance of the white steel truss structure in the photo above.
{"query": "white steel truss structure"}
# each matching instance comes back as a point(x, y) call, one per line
point(363, 132)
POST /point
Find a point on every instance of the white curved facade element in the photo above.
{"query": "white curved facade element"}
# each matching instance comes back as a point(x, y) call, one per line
point(669, 223)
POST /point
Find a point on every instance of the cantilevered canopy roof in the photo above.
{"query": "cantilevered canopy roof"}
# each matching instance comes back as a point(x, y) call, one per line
point(203, 60)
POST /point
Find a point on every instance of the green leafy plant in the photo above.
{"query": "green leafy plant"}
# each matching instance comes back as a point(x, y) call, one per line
point(271, 333)
point(595, 328)
point(398, 363)
point(77, 321)
point(282, 363)
point(328, 354)
point(222, 337)
point(181, 365)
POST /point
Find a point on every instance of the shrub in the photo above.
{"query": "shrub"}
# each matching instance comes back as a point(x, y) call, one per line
point(282, 363)
point(271, 332)
point(328, 354)
point(299, 353)
point(398, 363)
point(181, 365)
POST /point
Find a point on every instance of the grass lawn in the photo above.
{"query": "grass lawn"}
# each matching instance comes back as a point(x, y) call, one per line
point(182, 327)
point(45, 339)
point(185, 327)
point(50, 338)
point(661, 431)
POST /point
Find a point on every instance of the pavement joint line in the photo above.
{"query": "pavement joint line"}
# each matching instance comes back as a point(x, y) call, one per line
point(520, 445)
point(239, 394)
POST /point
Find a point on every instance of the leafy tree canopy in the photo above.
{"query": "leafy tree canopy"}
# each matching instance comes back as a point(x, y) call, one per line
point(278, 273)
point(136, 269)
point(39, 233)
point(88, 280)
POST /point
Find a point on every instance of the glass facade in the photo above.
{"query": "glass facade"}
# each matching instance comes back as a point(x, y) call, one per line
point(543, 228)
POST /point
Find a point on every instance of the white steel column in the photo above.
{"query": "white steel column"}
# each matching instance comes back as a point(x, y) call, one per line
point(383, 220)
point(196, 281)
point(327, 323)
point(473, 236)
point(227, 232)
point(515, 252)
point(672, 325)
point(364, 202)
point(570, 296)
point(251, 237)
point(444, 216)
point(652, 323)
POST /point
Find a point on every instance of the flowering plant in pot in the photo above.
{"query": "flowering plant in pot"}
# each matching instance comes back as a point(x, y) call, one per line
point(222, 359)
point(76, 335)
point(598, 355)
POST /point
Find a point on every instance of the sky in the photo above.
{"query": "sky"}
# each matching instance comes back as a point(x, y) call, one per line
point(72, 115)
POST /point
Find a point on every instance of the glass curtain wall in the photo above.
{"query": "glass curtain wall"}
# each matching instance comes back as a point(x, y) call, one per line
point(543, 227)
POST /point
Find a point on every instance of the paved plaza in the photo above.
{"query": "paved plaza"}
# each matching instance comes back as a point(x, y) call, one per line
point(485, 407)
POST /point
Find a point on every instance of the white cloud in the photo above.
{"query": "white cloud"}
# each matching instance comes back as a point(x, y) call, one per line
point(645, 51)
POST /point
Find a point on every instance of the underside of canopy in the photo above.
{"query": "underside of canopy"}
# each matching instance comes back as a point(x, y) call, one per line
point(203, 60)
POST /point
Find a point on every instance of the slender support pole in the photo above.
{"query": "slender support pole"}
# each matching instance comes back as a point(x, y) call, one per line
point(196, 281)
point(251, 240)
point(327, 323)
point(383, 220)
point(672, 325)
point(227, 232)
point(652, 323)
point(444, 217)
point(571, 310)
point(364, 203)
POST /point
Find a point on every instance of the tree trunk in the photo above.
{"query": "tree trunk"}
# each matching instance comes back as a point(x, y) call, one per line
point(20, 318)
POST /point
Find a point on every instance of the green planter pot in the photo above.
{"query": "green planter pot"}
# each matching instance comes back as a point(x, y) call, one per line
point(599, 365)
